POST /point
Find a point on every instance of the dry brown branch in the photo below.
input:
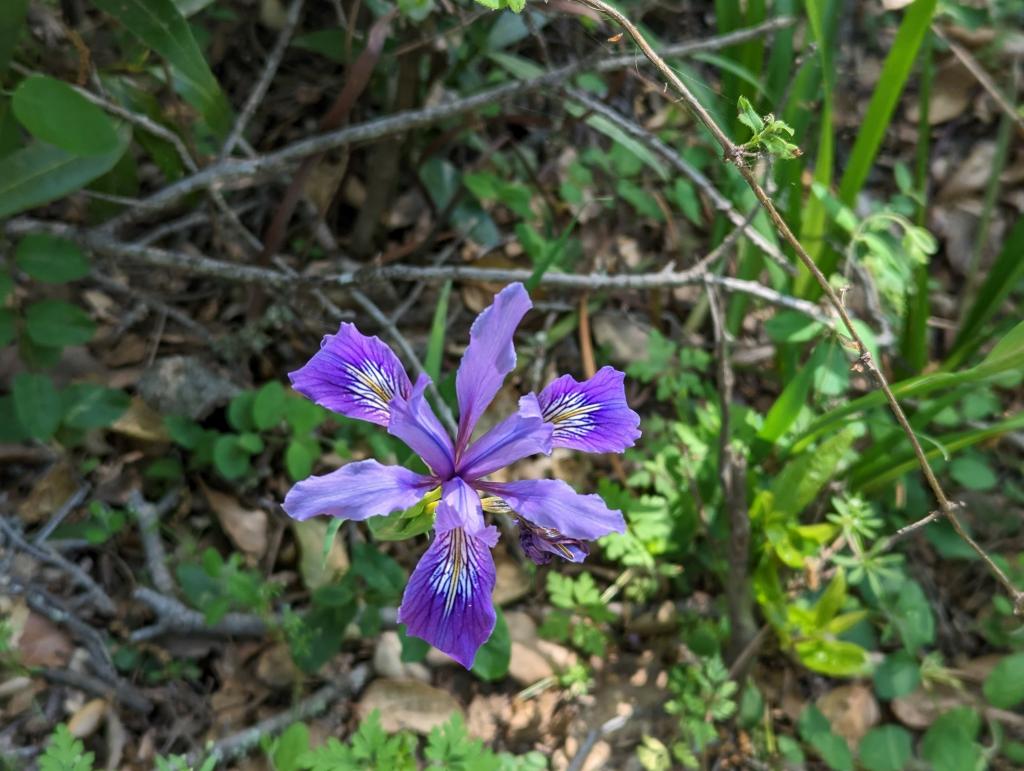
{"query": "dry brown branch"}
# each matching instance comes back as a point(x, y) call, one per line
point(733, 154)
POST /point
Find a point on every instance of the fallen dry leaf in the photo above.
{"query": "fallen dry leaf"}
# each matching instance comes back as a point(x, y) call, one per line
point(87, 718)
point(407, 705)
point(247, 528)
point(42, 643)
point(142, 422)
point(51, 490)
point(852, 711)
point(315, 572)
point(919, 709)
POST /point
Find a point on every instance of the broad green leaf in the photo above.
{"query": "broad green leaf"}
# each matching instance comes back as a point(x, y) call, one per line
point(40, 173)
point(51, 259)
point(401, 525)
point(492, 659)
point(12, 19)
point(54, 112)
point(787, 406)
point(949, 745)
point(290, 747)
point(89, 405)
point(231, 460)
point(897, 676)
point(831, 600)
point(912, 616)
point(299, 459)
point(802, 478)
point(161, 26)
point(973, 473)
point(1004, 686)
point(836, 658)
point(55, 323)
point(886, 748)
point(895, 70)
point(37, 404)
point(269, 405)
point(817, 732)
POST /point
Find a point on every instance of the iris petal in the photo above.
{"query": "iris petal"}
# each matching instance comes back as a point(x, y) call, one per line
point(447, 601)
point(357, 491)
point(414, 422)
point(591, 416)
point(520, 435)
point(551, 503)
point(539, 543)
point(353, 374)
point(489, 357)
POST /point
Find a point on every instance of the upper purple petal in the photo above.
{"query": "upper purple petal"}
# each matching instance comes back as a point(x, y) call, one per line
point(357, 491)
point(353, 374)
point(463, 502)
point(447, 601)
point(414, 422)
point(519, 435)
point(489, 357)
point(551, 503)
point(591, 416)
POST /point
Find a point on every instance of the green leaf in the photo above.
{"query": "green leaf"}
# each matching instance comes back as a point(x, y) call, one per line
point(831, 600)
point(837, 658)
point(161, 26)
point(972, 472)
point(435, 346)
point(40, 173)
point(802, 478)
point(303, 415)
point(240, 411)
point(51, 259)
point(290, 747)
point(12, 19)
point(54, 112)
point(897, 676)
point(885, 748)
point(299, 459)
point(787, 406)
point(949, 744)
point(54, 323)
point(93, 406)
point(37, 404)
point(492, 659)
point(269, 405)
point(65, 753)
point(1004, 686)
point(817, 732)
point(912, 616)
point(748, 115)
point(897, 67)
point(231, 460)
point(792, 327)
point(401, 525)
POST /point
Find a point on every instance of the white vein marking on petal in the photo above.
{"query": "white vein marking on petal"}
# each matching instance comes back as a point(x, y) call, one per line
point(371, 384)
point(571, 414)
point(453, 575)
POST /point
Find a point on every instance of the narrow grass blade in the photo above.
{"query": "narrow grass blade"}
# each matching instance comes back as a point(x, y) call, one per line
point(435, 346)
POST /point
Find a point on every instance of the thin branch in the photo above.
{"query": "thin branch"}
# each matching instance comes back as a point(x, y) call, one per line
point(99, 598)
point(102, 243)
point(263, 84)
point(61, 514)
point(230, 172)
point(173, 618)
point(119, 692)
point(149, 516)
point(733, 154)
point(242, 742)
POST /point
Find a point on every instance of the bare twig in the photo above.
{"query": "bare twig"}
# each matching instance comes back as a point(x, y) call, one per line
point(245, 172)
point(99, 598)
point(61, 514)
point(173, 618)
point(149, 516)
point(119, 692)
point(259, 91)
point(102, 243)
point(242, 742)
point(733, 154)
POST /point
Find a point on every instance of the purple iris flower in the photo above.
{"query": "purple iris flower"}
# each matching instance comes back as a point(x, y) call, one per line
point(447, 601)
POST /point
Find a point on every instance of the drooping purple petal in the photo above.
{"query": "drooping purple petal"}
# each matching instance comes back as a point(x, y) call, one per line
point(539, 543)
point(553, 504)
point(353, 374)
point(414, 422)
point(489, 357)
point(519, 435)
point(447, 601)
point(357, 491)
point(464, 503)
point(591, 416)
